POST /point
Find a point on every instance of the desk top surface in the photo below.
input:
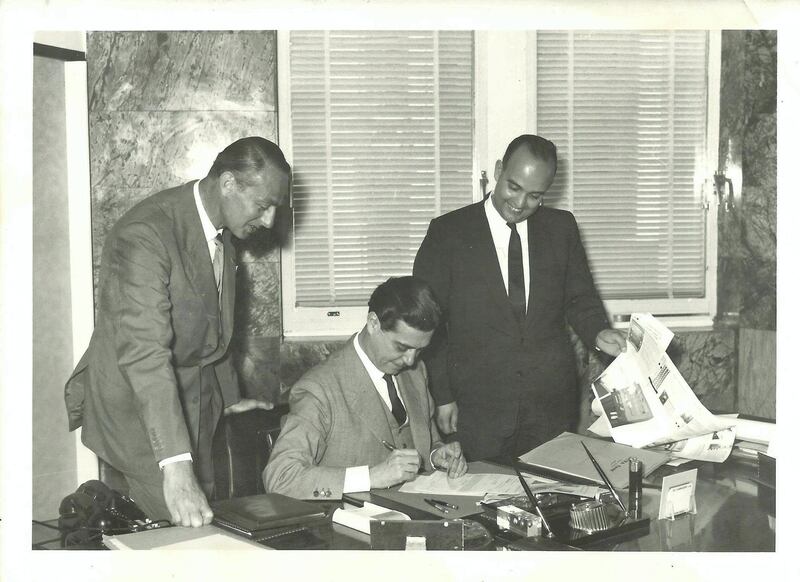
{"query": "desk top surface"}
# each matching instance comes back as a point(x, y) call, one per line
point(732, 515)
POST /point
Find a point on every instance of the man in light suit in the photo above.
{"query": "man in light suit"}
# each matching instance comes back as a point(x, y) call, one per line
point(157, 374)
point(509, 275)
point(363, 419)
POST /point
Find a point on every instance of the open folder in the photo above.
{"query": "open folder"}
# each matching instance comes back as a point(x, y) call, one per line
point(564, 458)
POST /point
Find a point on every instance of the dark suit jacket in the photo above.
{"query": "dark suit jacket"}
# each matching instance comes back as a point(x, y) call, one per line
point(152, 381)
point(338, 420)
point(483, 358)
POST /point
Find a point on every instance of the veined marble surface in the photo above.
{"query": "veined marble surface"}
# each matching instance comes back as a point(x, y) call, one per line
point(182, 71)
point(157, 149)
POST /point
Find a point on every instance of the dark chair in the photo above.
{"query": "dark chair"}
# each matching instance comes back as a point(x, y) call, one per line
point(242, 446)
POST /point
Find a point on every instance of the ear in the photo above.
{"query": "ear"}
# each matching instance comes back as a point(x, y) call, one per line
point(227, 183)
point(373, 323)
point(498, 169)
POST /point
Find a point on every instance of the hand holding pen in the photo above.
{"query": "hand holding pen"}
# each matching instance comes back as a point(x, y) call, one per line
point(401, 465)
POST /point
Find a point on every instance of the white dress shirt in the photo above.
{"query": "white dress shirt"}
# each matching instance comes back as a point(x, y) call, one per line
point(501, 234)
point(211, 234)
point(357, 478)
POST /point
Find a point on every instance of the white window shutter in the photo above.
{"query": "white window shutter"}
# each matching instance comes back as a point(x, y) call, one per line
point(628, 112)
point(382, 132)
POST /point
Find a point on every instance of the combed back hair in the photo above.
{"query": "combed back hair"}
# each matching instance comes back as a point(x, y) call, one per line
point(247, 157)
point(541, 148)
point(405, 298)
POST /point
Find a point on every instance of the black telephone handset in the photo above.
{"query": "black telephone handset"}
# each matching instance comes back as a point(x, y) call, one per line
point(95, 509)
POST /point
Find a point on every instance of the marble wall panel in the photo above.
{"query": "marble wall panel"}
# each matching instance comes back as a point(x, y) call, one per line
point(157, 150)
point(257, 360)
point(182, 71)
point(258, 299)
point(707, 361)
point(746, 279)
point(299, 357)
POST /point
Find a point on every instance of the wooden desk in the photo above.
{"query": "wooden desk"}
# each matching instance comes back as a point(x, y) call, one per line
point(730, 517)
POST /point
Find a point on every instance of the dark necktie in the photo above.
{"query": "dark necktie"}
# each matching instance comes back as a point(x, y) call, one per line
point(217, 263)
point(516, 277)
point(398, 411)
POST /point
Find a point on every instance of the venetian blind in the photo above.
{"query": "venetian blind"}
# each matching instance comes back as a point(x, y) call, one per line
point(382, 126)
point(628, 112)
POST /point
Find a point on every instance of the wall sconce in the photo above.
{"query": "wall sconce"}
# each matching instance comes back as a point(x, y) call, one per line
point(723, 188)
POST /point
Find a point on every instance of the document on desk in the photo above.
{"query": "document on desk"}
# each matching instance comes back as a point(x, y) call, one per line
point(646, 401)
point(471, 484)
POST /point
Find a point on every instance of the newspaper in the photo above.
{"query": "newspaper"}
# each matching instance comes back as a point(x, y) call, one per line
point(646, 402)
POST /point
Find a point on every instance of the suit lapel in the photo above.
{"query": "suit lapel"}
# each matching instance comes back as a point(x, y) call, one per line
point(418, 421)
point(361, 396)
point(197, 262)
point(482, 246)
point(228, 299)
point(538, 249)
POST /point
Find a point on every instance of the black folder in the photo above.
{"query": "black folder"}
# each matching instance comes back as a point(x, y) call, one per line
point(252, 515)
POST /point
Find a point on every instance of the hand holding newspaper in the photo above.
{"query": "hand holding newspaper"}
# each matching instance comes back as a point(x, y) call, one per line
point(646, 402)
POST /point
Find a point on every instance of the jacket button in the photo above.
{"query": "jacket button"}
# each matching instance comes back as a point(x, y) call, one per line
point(519, 374)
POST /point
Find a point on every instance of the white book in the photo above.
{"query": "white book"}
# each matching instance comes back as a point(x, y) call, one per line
point(208, 537)
point(358, 518)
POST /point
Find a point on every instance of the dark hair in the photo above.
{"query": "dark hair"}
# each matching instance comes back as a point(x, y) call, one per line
point(248, 156)
point(540, 147)
point(408, 298)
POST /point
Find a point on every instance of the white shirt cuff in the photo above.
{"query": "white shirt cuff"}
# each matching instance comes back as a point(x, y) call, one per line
point(356, 479)
point(174, 459)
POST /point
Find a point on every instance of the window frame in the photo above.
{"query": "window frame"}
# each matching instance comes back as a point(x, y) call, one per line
point(317, 323)
point(499, 117)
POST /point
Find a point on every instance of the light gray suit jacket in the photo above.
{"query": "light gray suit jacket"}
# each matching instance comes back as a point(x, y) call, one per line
point(338, 420)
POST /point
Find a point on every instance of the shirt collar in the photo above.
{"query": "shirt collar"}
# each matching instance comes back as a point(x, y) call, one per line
point(374, 373)
point(209, 230)
point(497, 223)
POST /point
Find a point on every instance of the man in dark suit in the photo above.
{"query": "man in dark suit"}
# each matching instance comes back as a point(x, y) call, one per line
point(157, 374)
point(509, 274)
point(363, 419)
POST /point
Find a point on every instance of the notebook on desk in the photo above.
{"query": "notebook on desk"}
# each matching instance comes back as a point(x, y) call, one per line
point(564, 458)
point(255, 513)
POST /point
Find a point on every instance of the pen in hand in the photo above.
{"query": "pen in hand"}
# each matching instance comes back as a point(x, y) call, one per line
point(389, 445)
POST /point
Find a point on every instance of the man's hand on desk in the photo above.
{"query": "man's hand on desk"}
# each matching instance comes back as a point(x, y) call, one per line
point(246, 404)
point(448, 457)
point(186, 502)
point(447, 417)
point(610, 341)
point(401, 465)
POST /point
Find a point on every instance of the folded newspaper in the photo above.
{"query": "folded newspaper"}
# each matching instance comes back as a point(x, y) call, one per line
point(646, 402)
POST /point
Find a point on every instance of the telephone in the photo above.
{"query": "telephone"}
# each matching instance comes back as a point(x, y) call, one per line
point(95, 509)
